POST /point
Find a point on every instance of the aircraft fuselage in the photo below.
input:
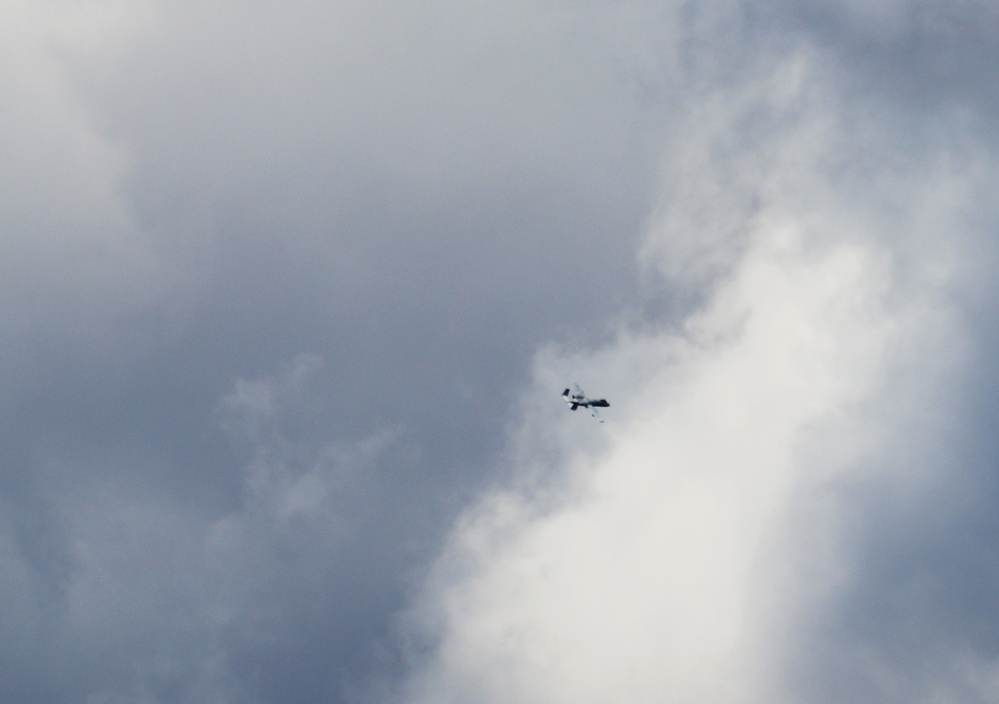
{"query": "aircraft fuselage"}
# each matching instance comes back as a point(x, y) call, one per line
point(574, 401)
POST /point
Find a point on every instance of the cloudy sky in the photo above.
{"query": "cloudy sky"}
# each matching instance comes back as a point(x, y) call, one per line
point(290, 292)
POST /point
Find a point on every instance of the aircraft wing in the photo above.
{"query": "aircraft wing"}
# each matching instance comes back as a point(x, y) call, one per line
point(595, 414)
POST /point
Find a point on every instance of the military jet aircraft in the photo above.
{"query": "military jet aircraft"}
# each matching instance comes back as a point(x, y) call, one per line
point(575, 400)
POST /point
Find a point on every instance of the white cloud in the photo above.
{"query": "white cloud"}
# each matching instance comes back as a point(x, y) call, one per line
point(667, 562)
point(638, 587)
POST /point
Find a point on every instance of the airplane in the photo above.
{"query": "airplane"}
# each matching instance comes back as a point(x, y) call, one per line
point(575, 400)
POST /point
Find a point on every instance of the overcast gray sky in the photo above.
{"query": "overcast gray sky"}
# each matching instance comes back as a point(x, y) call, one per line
point(290, 292)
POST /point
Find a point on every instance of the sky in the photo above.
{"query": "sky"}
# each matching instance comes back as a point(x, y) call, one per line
point(291, 290)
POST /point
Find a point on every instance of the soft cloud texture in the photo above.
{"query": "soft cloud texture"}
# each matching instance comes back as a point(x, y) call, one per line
point(291, 291)
point(643, 584)
point(750, 530)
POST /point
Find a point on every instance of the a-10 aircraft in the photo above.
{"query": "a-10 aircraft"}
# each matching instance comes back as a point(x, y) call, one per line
point(575, 400)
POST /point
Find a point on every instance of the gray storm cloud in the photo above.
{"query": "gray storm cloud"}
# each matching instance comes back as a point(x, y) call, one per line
point(197, 194)
point(290, 292)
point(79, 269)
